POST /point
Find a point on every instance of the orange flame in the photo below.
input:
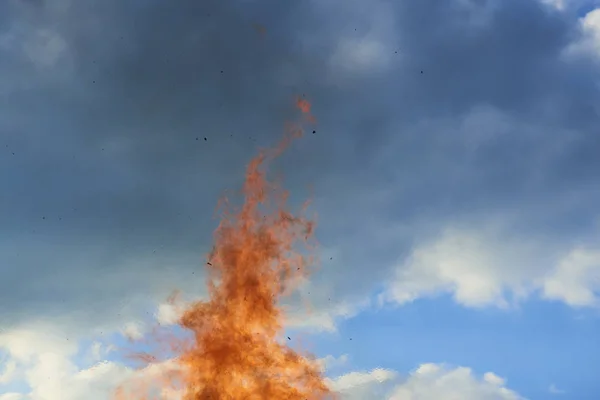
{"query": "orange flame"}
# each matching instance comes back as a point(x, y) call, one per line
point(235, 352)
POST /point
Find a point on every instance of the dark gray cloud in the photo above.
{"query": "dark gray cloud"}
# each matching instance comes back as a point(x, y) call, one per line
point(465, 109)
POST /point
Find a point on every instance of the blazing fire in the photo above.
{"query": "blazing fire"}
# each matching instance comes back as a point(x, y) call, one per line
point(236, 351)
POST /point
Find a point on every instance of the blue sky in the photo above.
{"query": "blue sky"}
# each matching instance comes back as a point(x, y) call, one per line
point(454, 171)
point(534, 347)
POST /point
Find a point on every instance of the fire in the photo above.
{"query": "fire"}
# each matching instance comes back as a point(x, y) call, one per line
point(236, 351)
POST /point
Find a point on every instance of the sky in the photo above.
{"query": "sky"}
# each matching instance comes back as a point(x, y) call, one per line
point(453, 169)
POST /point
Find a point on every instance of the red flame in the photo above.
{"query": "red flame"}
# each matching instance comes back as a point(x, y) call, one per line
point(236, 352)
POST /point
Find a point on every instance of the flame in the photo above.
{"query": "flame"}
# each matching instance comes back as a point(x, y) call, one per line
point(236, 351)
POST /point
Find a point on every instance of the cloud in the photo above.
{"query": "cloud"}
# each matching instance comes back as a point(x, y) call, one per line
point(575, 279)
point(98, 351)
point(52, 369)
point(52, 377)
point(588, 38)
point(323, 316)
point(360, 385)
point(434, 381)
point(133, 330)
point(455, 153)
point(329, 362)
point(123, 243)
point(24, 345)
point(485, 266)
point(12, 396)
point(477, 270)
point(434, 118)
point(167, 314)
point(428, 381)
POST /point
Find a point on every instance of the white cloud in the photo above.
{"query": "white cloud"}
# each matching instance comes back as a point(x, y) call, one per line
point(435, 381)
point(98, 351)
point(324, 318)
point(57, 378)
point(45, 362)
point(25, 344)
point(330, 361)
point(361, 385)
point(427, 382)
point(354, 379)
point(588, 41)
point(51, 371)
point(167, 314)
point(134, 330)
point(169, 311)
point(12, 396)
point(485, 267)
point(576, 278)
point(476, 267)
